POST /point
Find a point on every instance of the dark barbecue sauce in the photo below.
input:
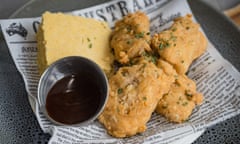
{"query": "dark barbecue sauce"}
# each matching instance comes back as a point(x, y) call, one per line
point(73, 99)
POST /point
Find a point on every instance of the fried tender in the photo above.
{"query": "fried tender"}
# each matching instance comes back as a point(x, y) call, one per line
point(180, 44)
point(178, 104)
point(130, 37)
point(134, 94)
point(138, 89)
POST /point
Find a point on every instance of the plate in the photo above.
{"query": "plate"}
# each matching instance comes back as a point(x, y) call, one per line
point(18, 123)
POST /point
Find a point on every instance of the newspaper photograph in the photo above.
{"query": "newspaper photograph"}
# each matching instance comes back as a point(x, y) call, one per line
point(215, 77)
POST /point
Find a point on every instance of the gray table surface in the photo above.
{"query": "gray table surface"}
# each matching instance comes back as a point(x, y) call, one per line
point(7, 7)
point(224, 130)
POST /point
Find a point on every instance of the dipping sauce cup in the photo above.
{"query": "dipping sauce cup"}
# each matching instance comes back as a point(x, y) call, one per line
point(72, 91)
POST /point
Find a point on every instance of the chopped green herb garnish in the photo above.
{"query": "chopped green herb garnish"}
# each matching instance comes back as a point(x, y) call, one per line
point(188, 94)
point(174, 29)
point(154, 59)
point(145, 54)
point(120, 90)
point(88, 39)
point(139, 35)
point(167, 44)
point(185, 103)
point(173, 38)
point(90, 45)
point(161, 46)
point(150, 57)
point(131, 62)
point(144, 98)
point(148, 33)
point(129, 42)
point(129, 28)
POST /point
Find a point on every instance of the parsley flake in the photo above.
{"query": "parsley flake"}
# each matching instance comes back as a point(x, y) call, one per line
point(174, 29)
point(144, 98)
point(185, 103)
point(90, 45)
point(88, 39)
point(120, 90)
point(188, 94)
point(139, 35)
point(129, 42)
point(161, 46)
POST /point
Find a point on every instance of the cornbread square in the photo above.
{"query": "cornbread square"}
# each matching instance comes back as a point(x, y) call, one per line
point(61, 35)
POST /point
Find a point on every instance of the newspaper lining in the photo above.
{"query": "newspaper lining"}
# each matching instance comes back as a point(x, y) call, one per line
point(216, 78)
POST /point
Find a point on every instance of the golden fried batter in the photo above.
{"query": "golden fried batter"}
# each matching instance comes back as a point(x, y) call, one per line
point(180, 44)
point(134, 94)
point(137, 90)
point(178, 104)
point(130, 37)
